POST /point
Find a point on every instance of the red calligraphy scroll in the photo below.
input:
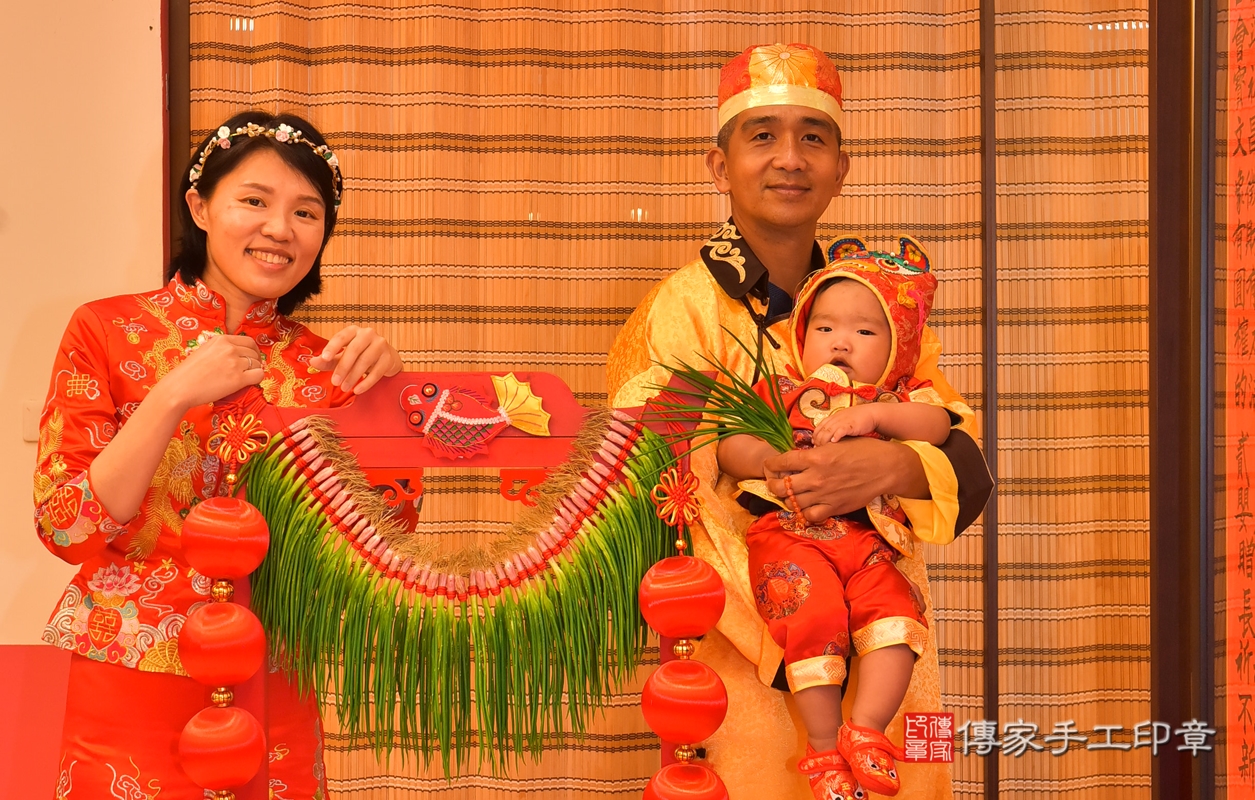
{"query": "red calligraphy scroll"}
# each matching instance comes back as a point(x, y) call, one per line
point(1238, 347)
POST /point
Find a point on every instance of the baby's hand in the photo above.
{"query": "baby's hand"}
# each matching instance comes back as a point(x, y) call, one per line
point(857, 420)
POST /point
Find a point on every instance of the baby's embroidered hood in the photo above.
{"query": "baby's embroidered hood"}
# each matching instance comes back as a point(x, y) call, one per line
point(903, 283)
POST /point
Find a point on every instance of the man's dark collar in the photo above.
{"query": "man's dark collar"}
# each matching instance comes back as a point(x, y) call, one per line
point(736, 269)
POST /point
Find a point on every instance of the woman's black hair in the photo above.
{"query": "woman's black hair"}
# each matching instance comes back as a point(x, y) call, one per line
point(190, 260)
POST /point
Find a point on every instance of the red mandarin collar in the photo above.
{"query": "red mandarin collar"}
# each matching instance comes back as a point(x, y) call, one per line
point(209, 306)
point(866, 391)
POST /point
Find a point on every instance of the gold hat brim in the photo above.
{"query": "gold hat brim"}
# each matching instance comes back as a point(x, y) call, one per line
point(783, 94)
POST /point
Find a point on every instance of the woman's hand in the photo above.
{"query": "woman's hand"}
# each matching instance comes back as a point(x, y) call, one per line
point(360, 357)
point(217, 367)
point(122, 472)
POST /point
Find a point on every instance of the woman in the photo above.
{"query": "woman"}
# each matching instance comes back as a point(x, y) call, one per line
point(122, 454)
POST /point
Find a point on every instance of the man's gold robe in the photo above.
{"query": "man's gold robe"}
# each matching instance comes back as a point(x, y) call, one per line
point(690, 316)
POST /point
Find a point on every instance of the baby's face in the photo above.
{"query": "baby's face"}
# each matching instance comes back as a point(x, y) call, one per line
point(848, 328)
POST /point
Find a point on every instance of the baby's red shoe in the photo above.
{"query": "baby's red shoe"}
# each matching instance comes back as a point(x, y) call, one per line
point(871, 758)
point(830, 776)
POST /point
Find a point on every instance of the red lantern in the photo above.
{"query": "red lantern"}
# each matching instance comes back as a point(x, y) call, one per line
point(682, 597)
point(684, 701)
point(225, 537)
point(221, 748)
point(222, 644)
point(685, 782)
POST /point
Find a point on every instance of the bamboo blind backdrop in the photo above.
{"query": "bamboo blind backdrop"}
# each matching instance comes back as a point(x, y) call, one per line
point(1074, 571)
point(519, 176)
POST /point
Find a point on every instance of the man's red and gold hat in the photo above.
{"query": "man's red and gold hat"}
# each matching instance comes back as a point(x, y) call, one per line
point(779, 75)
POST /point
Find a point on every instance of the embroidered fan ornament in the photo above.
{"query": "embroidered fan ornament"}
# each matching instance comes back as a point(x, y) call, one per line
point(283, 133)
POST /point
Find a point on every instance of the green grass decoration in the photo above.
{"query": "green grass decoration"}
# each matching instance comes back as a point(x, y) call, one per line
point(725, 402)
point(435, 676)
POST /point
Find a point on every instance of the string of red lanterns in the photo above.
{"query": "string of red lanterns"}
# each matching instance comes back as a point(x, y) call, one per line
point(684, 701)
point(222, 643)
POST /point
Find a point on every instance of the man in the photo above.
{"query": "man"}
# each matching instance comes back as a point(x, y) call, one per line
point(779, 159)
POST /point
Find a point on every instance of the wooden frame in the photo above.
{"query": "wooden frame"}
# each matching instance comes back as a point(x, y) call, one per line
point(989, 399)
point(176, 63)
point(1181, 215)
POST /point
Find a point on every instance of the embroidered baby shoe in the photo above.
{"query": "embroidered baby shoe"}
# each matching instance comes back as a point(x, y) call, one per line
point(830, 776)
point(871, 758)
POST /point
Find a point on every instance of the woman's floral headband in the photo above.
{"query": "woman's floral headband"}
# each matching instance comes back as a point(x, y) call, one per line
point(283, 133)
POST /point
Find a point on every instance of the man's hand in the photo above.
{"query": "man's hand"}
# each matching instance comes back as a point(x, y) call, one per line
point(845, 476)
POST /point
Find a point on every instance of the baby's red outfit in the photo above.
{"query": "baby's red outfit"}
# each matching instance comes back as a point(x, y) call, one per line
point(824, 586)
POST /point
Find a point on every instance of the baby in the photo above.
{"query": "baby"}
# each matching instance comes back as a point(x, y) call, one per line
point(822, 587)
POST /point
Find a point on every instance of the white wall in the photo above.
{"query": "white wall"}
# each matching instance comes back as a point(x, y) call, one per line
point(80, 218)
